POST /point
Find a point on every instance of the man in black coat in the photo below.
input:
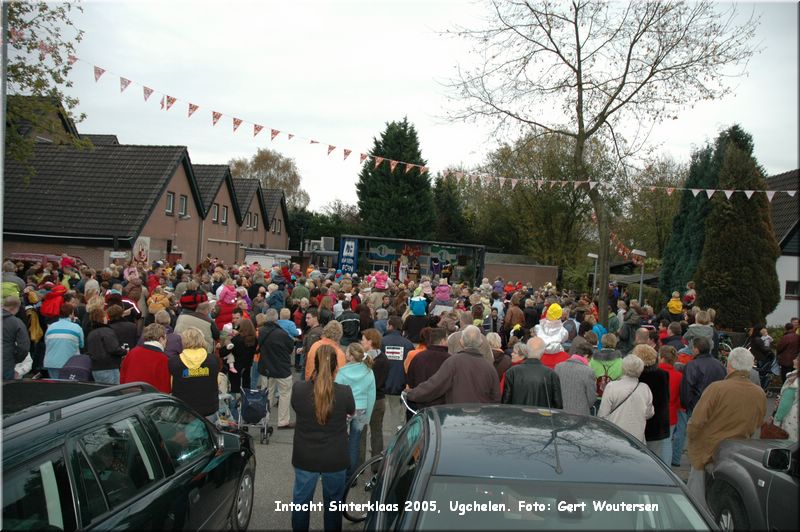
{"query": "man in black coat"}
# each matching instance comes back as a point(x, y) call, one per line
point(275, 347)
point(426, 363)
point(532, 383)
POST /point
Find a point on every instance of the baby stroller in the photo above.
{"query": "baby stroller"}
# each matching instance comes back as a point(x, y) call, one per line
point(254, 412)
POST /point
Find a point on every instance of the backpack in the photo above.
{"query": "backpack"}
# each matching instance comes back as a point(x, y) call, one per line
point(10, 288)
point(602, 381)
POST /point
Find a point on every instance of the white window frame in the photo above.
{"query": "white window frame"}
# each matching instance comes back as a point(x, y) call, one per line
point(183, 205)
point(224, 220)
point(170, 210)
point(215, 213)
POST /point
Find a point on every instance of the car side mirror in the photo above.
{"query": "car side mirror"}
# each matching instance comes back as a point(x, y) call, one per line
point(229, 442)
point(777, 459)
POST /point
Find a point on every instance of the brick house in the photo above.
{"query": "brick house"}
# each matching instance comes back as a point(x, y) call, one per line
point(785, 214)
point(219, 232)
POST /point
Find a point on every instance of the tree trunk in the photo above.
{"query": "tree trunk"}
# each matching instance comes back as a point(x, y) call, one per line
point(603, 255)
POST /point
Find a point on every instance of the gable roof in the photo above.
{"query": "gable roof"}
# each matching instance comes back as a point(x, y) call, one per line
point(101, 140)
point(245, 189)
point(210, 178)
point(784, 209)
point(102, 195)
point(274, 199)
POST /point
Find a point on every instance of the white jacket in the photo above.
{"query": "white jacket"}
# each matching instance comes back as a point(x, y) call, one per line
point(553, 333)
point(634, 412)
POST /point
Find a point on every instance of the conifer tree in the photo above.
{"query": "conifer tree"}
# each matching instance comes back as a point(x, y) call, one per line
point(685, 245)
point(451, 223)
point(736, 274)
point(396, 203)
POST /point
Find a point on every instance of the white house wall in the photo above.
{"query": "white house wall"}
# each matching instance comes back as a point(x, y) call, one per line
point(788, 268)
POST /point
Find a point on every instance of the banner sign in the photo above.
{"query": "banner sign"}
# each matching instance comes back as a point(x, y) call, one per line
point(348, 255)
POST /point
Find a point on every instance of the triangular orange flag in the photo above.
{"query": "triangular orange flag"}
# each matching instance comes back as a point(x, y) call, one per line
point(273, 133)
point(98, 72)
point(257, 129)
point(123, 84)
point(236, 123)
point(346, 153)
point(215, 116)
point(392, 165)
point(330, 148)
point(378, 161)
point(193, 108)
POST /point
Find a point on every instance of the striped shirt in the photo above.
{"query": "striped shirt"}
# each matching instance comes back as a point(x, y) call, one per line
point(62, 340)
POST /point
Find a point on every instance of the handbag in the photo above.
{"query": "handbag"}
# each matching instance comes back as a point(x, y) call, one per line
point(770, 431)
point(622, 402)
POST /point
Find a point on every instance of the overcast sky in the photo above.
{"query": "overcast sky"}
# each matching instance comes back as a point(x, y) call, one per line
point(337, 71)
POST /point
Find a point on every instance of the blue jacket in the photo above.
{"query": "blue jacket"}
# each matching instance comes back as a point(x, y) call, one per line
point(698, 374)
point(396, 348)
point(361, 381)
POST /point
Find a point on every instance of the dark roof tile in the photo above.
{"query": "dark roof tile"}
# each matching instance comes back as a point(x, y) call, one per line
point(245, 189)
point(101, 140)
point(209, 179)
point(107, 191)
point(785, 209)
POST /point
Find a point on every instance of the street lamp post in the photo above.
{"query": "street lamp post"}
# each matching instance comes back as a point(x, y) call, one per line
point(594, 278)
point(643, 255)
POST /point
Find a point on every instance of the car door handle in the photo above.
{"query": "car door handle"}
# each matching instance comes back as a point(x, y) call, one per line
point(194, 495)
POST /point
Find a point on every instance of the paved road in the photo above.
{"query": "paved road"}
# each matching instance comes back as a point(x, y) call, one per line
point(275, 479)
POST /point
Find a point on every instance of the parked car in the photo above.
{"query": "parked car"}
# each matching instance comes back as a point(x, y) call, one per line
point(88, 456)
point(497, 467)
point(753, 485)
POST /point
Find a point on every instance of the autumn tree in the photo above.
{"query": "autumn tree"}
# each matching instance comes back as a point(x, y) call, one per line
point(599, 70)
point(274, 170)
point(396, 202)
point(40, 37)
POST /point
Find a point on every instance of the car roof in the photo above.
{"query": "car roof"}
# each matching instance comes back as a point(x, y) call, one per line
point(21, 394)
point(516, 442)
point(61, 401)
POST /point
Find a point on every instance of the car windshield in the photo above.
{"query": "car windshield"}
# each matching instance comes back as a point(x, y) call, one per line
point(499, 504)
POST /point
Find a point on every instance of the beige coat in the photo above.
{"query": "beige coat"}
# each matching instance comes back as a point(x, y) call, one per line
point(731, 408)
point(632, 415)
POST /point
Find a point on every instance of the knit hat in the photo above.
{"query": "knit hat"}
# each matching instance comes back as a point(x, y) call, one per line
point(554, 312)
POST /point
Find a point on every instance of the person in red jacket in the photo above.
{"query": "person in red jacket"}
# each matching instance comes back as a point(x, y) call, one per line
point(148, 362)
point(667, 357)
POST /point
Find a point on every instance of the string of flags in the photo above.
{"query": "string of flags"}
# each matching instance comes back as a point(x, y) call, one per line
point(543, 184)
point(167, 101)
point(620, 248)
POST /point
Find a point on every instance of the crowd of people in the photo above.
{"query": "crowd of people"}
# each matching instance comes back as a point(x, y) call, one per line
point(339, 349)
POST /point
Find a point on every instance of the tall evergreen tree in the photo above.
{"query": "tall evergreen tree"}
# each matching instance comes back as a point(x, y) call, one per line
point(451, 223)
point(396, 203)
point(736, 274)
point(685, 245)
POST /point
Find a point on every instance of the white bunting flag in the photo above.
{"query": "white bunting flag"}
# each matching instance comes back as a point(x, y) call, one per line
point(576, 185)
point(123, 84)
point(748, 193)
point(710, 192)
point(791, 192)
point(257, 129)
point(770, 194)
point(514, 183)
point(695, 191)
point(98, 72)
point(728, 194)
point(592, 184)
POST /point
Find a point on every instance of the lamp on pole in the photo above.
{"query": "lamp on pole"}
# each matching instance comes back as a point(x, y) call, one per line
point(594, 278)
point(643, 255)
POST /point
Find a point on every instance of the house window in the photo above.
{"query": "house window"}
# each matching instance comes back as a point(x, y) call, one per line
point(224, 214)
point(183, 202)
point(215, 213)
point(247, 220)
point(274, 225)
point(170, 210)
point(792, 290)
point(279, 227)
point(255, 221)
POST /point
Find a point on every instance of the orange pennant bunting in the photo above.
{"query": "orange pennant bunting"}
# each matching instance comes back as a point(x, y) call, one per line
point(215, 116)
point(236, 123)
point(670, 190)
point(170, 101)
point(193, 108)
point(257, 129)
point(273, 133)
point(147, 92)
point(423, 170)
point(378, 161)
point(290, 136)
point(98, 72)
point(361, 158)
point(330, 148)
point(346, 153)
point(71, 59)
point(123, 84)
point(392, 165)
point(314, 142)
point(162, 103)
point(409, 167)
